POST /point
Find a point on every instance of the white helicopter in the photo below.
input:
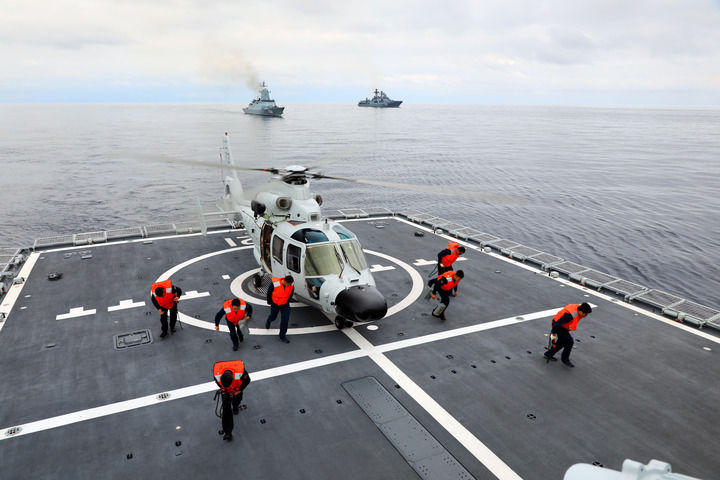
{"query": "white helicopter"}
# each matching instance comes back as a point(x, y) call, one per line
point(290, 237)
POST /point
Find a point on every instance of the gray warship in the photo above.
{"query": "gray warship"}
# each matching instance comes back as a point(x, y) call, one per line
point(264, 105)
point(379, 100)
point(90, 391)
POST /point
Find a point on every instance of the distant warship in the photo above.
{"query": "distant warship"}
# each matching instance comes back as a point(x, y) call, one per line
point(380, 100)
point(264, 105)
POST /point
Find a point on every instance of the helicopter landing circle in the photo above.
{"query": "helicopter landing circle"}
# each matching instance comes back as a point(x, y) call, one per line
point(415, 292)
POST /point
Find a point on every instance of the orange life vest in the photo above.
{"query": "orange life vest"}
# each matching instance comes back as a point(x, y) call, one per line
point(281, 294)
point(450, 282)
point(448, 260)
point(237, 367)
point(166, 301)
point(231, 315)
point(572, 309)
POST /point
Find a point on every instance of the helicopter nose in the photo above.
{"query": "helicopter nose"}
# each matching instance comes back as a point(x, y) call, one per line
point(361, 303)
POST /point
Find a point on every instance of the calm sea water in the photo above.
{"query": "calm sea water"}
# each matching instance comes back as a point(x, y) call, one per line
point(632, 192)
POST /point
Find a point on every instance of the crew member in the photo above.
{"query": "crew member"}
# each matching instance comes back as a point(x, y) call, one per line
point(237, 313)
point(563, 322)
point(232, 379)
point(164, 296)
point(278, 297)
point(442, 286)
point(447, 257)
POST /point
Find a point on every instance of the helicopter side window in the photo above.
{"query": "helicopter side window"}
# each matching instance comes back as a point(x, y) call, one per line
point(308, 235)
point(343, 232)
point(277, 248)
point(353, 254)
point(314, 285)
point(322, 260)
point(293, 257)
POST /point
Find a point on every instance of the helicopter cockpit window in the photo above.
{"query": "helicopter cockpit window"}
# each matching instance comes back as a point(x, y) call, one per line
point(308, 235)
point(322, 260)
point(277, 248)
point(343, 232)
point(353, 254)
point(293, 257)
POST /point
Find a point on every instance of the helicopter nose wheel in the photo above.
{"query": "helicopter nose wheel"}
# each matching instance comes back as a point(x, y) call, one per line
point(341, 323)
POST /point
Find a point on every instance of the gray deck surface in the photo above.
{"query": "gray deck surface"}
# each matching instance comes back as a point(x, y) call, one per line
point(641, 389)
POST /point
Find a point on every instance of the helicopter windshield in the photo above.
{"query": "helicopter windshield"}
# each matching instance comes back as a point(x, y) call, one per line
point(322, 260)
point(343, 232)
point(353, 254)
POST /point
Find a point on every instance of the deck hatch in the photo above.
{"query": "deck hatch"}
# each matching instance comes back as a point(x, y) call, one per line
point(132, 339)
point(419, 448)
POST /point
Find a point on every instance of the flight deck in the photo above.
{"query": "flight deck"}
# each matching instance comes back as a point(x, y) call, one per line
point(90, 390)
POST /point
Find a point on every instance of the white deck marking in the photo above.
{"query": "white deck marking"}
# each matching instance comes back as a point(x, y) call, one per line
point(125, 304)
point(479, 450)
point(148, 400)
point(231, 242)
point(379, 268)
point(193, 294)
point(226, 277)
point(75, 312)
point(419, 262)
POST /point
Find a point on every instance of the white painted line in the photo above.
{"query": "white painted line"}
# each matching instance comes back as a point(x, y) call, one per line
point(231, 242)
point(133, 404)
point(417, 279)
point(420, 262)
point(379, 268)
point(478, 449)
point(75, 312)
point(125, 304)
point(193, 294)
point(226, 277)
point(411, 342)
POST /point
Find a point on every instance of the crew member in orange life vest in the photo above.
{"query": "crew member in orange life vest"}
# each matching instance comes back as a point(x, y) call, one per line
point(237, 313)
point(164, 296)
point(447, 257)
point(278, 297)
point(232, 378)
point(563, 322)
point(443, 285)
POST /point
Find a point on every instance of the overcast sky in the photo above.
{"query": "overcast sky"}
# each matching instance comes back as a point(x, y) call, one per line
point(639, 52)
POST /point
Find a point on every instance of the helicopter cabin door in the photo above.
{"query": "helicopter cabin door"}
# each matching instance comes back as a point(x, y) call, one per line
point(265, 236)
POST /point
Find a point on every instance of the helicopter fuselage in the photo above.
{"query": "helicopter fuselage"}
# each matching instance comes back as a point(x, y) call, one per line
point(325, 259)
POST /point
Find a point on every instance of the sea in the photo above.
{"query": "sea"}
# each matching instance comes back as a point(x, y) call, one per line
point(633, 192)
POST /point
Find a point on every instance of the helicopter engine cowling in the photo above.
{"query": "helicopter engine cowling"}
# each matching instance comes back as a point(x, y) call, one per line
point(361, 303)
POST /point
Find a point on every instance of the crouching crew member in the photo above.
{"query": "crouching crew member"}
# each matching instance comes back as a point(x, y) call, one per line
point(232, 379)
point(237, 314)
point(447, 257)
point(278, 297)
point(563, 322)
point(442, 286)
point(165, 296)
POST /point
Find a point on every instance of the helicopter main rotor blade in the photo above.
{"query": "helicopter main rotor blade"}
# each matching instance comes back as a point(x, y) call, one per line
point(199, 163)
point(494, 197)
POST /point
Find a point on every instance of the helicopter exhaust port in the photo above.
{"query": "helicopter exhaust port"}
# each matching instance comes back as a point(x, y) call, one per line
point(361, 303)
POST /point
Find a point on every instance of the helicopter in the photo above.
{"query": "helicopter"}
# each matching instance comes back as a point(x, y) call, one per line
point(290, 237)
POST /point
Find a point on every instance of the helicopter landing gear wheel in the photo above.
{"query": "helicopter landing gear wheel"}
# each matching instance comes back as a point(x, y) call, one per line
point(340, 323)
point(257, 280)
point(348, 324)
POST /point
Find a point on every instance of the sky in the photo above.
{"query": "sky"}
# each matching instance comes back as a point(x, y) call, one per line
point(581, 52)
